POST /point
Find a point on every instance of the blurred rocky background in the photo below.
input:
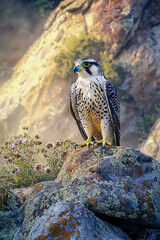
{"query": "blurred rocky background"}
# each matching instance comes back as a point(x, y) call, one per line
point(37, 54)
point(21, 23)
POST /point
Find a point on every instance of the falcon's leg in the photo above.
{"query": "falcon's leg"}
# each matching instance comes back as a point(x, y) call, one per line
point(106, 129)
point(88, 142)
point(89, 132)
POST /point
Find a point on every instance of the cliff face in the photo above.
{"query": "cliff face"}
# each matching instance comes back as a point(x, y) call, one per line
point(35, 96)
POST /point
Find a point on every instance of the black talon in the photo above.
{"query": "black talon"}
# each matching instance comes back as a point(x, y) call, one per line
point(75, 146)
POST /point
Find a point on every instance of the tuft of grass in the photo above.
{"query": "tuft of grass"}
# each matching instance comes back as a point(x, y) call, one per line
point(114, 71)
point(44, 6)
point(83, 46)
point(28, 162)
point(89, 46)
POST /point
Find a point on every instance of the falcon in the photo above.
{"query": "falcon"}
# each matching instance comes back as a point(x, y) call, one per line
point(95, 104)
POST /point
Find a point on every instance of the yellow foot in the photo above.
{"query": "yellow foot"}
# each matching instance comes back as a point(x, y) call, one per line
point(88, 142)
point(104, 142)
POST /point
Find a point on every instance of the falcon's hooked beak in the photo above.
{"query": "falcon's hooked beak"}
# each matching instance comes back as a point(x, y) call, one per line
point(78, 68)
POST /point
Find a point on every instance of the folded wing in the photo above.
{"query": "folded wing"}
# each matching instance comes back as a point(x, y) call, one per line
point(114, 108)
point(74, 112)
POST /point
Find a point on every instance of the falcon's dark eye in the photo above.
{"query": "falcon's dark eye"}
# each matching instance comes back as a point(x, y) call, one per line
point(86, 64)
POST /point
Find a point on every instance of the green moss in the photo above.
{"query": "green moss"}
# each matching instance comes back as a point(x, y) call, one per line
point(84, 45)
point(45, 6)
point(115, 71)
point(144, 216)
point(120, 214)
point(131, 157)
point(89, 46)
point(133, 216)
point(128, 23)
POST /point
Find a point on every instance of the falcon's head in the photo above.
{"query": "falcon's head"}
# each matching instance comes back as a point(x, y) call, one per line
point(87, 67)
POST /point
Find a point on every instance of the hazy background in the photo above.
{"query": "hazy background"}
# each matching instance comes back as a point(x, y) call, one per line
point(21, 23)
point(38, 47)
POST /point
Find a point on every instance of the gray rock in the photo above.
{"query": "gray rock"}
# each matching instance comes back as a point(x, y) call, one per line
point(152, 144)
point(68, 220)
point(150, 234)
point(10, 218)
point(114, 183)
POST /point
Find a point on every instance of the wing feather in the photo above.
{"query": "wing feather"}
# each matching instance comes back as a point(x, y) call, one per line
point(74, 112)
point(114, 107)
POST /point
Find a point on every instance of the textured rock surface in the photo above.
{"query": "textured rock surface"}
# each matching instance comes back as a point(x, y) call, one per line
point(116, 183)
point(68, 220)
point(151, 146)
point(23, 193)
point(35, 97)
point(150, 234)
point(120, 20)
point(10, 218)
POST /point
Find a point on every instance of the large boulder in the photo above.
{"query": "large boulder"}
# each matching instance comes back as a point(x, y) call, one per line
point(68, 220)
point(152, 144)
point(117, 184)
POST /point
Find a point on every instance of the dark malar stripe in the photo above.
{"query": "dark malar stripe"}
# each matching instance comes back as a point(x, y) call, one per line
point(88, 71)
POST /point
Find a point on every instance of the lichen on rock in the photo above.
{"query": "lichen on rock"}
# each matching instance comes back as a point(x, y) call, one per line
point(68, 220)
point(114, 183)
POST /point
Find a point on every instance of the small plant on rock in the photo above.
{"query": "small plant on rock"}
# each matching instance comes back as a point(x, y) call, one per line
point(28, 161)
point(83, 46)
point(89, 46)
